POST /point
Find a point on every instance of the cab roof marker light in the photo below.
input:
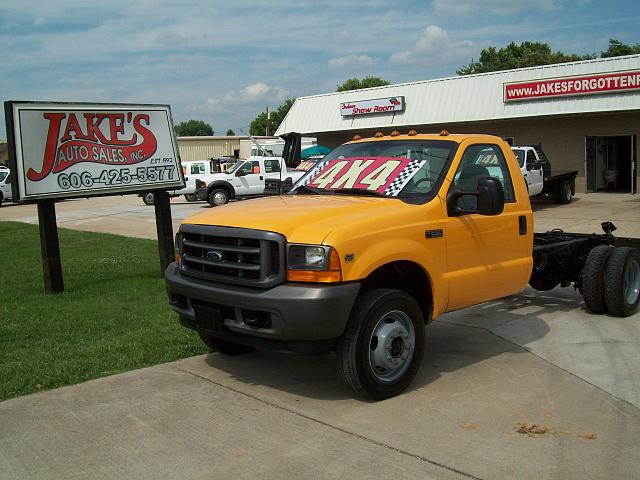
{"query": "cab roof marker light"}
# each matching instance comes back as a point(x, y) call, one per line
point(395, 133)
point(444, 133)
point(379, 135)
point(412, 133)
point(356, 138)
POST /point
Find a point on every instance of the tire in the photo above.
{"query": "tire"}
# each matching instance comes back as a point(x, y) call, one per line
point(562, 193)
point(191, 197)
point(380, 373)
point(1, 198)
point(218, 197)
point(592, 278)
point(224, 346)
point(148, 198)
point(622, 282)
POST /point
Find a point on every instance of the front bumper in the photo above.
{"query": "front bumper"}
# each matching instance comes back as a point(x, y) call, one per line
point(297, 312)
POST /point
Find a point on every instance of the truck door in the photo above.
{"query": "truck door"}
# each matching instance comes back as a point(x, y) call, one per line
point(534, 175)
point(488, 257)
point(251, 179)
point(272, 168)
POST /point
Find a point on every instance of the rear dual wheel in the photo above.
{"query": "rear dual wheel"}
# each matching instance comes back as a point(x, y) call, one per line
point(382, 347)
point(611, 280)
point(622, 282)
point(562, 193)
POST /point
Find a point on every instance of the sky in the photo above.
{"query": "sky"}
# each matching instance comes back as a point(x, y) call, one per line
point(225, 61)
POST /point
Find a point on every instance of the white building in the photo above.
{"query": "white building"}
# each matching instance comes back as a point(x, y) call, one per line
point(585, 114)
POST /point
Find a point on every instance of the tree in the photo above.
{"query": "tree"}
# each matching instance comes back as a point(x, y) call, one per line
point(527, 54)
point(617, 48)
point(193, 128)
point(231, 133)
point(259, 124)
point(356, 84)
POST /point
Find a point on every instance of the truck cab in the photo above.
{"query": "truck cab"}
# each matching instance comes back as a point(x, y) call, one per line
point(244, 180)
point(380, 237)
point(532, 169)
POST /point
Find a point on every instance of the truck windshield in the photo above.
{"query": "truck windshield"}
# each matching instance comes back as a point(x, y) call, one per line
point(520, 157)
point(390, 168)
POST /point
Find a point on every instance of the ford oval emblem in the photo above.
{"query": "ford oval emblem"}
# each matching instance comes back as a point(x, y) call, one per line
point(214, 256)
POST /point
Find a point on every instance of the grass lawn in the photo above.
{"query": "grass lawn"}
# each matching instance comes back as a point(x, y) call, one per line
point(113, 316)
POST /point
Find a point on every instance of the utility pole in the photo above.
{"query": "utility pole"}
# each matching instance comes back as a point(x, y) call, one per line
point(266, 128)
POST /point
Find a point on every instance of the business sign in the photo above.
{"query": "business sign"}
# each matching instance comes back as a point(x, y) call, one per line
point(80, 150)
point(571, 86)
point(367, 107)
point(383, 175)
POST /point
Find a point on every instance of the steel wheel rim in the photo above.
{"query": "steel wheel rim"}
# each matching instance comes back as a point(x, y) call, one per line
point(219, 198)
point(391, 346)
point(632, 282)
point(149, 197)
point(567, 191)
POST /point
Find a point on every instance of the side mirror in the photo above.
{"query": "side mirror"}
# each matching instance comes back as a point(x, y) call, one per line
point(489, 194)
point(531, 166)
point(240, 173)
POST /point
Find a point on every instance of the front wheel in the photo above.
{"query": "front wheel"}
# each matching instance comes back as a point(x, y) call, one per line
point(149, 198)
point(191, 197)
point(382, 346)
point(218, 197)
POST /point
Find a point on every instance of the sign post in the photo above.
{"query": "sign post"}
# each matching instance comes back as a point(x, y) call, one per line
point(50, 248)
point(66, 150)
point(164, 229)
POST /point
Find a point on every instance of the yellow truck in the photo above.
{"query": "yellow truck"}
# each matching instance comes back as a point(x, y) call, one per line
point(378, 239)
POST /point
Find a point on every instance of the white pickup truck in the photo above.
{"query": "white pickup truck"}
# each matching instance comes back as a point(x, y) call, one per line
point(536, 169)
point(245, 180)
point(5, 184)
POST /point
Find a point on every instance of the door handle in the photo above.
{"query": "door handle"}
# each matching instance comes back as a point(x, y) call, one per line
point(522, 224)
point(261, 177)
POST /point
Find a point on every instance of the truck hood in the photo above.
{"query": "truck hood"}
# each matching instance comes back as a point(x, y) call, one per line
point(301, 218)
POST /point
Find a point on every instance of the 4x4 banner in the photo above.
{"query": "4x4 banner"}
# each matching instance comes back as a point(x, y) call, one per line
point(62, 150)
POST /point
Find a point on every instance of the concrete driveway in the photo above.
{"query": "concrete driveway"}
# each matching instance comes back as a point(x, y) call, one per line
point(489, 374)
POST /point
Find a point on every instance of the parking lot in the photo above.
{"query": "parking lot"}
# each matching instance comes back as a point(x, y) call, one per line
point(530, 386)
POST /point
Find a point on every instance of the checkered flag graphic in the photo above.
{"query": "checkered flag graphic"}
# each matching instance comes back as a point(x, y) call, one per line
point(403, 178)
point(313, 173)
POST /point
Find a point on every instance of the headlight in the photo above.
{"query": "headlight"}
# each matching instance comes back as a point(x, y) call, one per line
point(313, 263)
point(307, 257)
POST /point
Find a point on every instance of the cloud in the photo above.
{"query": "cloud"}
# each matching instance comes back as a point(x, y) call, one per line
point(351, 61)
point(249, 95)
point(435, 46)
point(496, 7)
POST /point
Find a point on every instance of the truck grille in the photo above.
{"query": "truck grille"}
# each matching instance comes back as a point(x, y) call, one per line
point(232, 255)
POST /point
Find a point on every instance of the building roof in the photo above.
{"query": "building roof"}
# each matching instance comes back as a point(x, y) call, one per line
point(462, 99)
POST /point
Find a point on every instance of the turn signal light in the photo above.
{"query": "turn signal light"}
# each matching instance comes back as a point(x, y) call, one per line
point(379, 135)
point(331, 275)
point(178, 258)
